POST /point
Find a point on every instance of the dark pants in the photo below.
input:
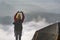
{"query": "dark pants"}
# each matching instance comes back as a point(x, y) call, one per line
point(18, 35)
point(18, 32)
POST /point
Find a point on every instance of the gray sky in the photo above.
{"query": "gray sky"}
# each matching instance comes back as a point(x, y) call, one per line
point(11, 6)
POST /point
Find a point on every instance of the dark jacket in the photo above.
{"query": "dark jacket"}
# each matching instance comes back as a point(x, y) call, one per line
point(18, 24)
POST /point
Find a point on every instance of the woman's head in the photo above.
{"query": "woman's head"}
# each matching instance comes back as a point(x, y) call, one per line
point(19, 15)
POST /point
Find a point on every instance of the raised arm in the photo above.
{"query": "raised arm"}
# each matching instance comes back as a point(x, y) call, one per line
point(23, 17)
point(15, 16)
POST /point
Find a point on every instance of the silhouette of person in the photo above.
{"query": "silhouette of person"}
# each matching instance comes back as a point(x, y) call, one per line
point(18, 20)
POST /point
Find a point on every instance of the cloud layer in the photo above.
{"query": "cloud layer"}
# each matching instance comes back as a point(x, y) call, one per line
point(29, 28)
point(9, 7)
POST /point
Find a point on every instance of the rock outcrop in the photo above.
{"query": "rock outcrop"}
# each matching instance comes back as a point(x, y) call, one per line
point(50, 32)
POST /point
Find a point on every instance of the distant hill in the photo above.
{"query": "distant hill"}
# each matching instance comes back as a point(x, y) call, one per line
point(7, 20)
point(50, 17)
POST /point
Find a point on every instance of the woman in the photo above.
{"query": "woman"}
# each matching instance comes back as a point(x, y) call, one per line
point(18, 20)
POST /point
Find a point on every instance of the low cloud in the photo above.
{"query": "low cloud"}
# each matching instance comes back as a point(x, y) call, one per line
point(29, 28)
point(6, 35)
point(50, 17)
point(6, 20)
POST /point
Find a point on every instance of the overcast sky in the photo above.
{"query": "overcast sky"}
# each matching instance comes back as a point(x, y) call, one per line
point(29, 5)
point(39, 13)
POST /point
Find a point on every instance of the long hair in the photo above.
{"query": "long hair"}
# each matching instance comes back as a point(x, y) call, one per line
point(18, 16)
